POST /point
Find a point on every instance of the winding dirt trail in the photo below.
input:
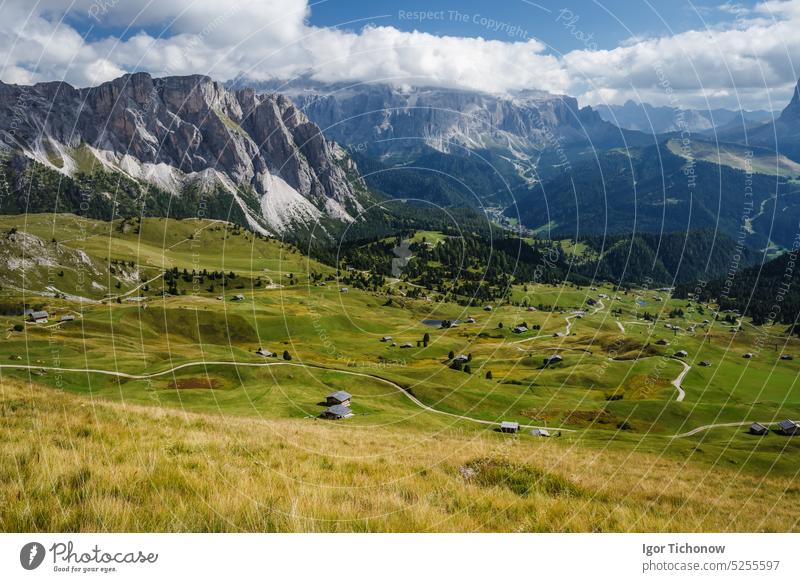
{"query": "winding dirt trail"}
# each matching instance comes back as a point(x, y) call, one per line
point(394, 385)
point(705, 427)
point(677, 382)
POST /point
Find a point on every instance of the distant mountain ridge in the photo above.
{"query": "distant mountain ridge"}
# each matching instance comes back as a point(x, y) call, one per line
point(179, 132)
point(520, 136)
point(388, 119)
point(781, 134)
point(663, 119)
point(653, 190)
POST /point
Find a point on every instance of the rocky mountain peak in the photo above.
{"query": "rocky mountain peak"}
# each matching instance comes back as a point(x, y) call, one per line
point(175, 130)
point(791, 113)
point(387, 119)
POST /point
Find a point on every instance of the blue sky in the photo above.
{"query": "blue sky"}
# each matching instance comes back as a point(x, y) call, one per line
point(707, 53)
point(607, 23)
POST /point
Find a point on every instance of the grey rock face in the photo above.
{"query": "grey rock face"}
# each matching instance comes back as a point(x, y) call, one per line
point(390, 120)
point(191, 124)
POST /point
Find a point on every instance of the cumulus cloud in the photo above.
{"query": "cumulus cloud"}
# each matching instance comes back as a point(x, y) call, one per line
point(756, 57)
point(749, 62)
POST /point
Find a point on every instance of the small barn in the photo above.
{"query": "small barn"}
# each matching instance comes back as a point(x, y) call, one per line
point(758, 429)
point(520, 329)
point(747, 356)
point(407, 345)
point(789, 427)
point(67, 317)
point(344, 290)
point(265, 352)
point(38, 316)
point(705, 363)
point(461, 358)
point(337, 412)
point(681, 354)
point(237, 298)
point(338, 397)
point(509, 427)
point(470, 320)
point(786, 357)
point(540, 432)
point(487, 308)
point(553, 359)
point(662, 342)
point(386, 338)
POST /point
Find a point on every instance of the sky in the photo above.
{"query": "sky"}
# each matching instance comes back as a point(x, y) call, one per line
point(703, 53)
point(609, 23)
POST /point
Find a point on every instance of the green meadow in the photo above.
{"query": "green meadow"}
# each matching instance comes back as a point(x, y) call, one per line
point(138, 354)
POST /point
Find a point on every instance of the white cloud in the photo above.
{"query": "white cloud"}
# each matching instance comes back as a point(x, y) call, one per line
point(760, 57)
point(743, 61)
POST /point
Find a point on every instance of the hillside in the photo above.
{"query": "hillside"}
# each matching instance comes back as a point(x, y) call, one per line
point(768, 293)
point(663, 259)
point(64, 254)
point(218, 366)
point(738, 157)
point(75, 463)
point(481, 266)
point(652, 190)
point(463, 179)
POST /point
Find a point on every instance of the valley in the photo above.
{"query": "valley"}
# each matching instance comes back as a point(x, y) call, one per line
point(318, 307)
point(167, 318)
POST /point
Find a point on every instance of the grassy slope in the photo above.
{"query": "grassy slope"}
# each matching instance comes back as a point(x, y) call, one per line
point(322, 326)
point(73, 464)
point(159, 244)
point(739, 158)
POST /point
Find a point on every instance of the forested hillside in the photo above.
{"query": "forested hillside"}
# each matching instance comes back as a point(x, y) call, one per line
point(769, 293)
point(666, 259)
point(484, 267)
point(651, 190)
point(474, 179)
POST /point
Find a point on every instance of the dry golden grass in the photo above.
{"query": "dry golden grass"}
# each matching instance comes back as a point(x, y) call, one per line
point(71, 464)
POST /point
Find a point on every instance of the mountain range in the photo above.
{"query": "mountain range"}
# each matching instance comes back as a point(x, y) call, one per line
point(741, 181)
point(651, 119)
point(179, 133)
point(392, 121)
point(282, 157)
